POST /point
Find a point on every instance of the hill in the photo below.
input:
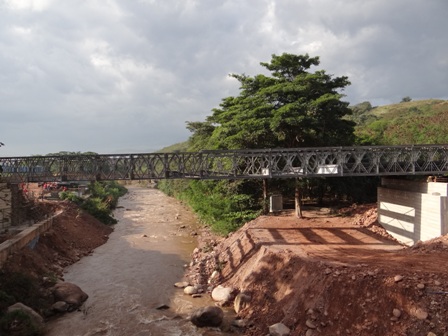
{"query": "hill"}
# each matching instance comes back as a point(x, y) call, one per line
point(177, 147)
point(408, 122)
point(413, 122)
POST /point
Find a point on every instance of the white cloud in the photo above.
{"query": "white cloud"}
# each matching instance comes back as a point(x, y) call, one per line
point(112, 74)
point(33, 5)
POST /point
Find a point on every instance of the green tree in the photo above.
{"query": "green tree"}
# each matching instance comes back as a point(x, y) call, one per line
point(406, 99)
point(293, 107)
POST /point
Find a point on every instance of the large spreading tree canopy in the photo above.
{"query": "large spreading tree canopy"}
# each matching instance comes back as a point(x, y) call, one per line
point(293, 107)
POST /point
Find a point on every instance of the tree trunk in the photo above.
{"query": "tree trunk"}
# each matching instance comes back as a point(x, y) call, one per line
point(298, 201)
point(265, 196)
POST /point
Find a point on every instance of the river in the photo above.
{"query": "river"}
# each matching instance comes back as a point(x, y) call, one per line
point(134, 272)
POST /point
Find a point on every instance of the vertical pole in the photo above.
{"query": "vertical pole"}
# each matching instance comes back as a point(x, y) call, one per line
point(166, 166)
point(265, 196)
point(131, 168)
point(298, 200)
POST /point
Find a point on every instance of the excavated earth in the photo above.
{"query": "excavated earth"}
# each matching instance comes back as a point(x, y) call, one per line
point(74, 234)
point(329, 273)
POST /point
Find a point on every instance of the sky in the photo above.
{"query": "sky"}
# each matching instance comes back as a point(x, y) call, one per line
point(124, 76)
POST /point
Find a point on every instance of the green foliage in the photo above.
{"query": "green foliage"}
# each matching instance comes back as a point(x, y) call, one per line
point(362, 113)
point(219, 204)
point(373, 133)
point(21, 287)
point(6, 300)
point(102, 200)
point(19, 323)
point(412, 122)
point(67, 153)
point(406, 99)
point(68, 195)
point(173, 188)
point(291, 108)
point(99, 209)
point(178, 147)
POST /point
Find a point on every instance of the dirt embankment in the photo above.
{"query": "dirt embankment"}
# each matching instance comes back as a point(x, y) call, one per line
point(28, 275)
point(330, 274)
point(325, 274)
point(74, 234)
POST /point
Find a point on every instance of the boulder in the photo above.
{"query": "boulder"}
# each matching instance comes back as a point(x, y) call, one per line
point(240, 302)
point(190, 290)
point(60, 306)
point(222, 294)
point(181, 284)
point(279, 329)
point(210, 316)
point(36, 319)
point(69, 293)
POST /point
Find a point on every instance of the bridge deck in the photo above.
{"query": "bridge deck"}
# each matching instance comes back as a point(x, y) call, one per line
point(231, 164)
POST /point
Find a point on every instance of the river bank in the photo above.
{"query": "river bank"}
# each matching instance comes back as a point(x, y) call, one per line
point(325, 274)
point(329, 274)
point(128, 277)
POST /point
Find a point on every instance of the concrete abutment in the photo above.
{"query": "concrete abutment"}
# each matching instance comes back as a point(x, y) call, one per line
point(413, 211)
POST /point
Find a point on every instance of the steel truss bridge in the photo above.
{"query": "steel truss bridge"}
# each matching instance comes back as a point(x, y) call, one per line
point(231, 164)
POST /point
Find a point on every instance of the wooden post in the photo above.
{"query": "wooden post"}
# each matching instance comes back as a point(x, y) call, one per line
point(298, 201)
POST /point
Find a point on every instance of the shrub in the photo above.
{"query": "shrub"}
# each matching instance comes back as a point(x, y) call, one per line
point(22, 288)
point(99, 209)
point(220, 204)
point(102, 200)
point(5, 301)
point(19, 323)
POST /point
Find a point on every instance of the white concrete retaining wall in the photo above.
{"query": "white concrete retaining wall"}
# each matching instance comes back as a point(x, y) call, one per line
point(28, 237)
point(419, 187)
point(413, 211)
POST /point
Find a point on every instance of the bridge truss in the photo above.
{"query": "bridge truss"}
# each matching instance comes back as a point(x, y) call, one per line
point(231, 164)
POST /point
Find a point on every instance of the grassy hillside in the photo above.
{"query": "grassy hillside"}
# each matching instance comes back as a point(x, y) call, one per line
point(177, 147)
point(414, 122)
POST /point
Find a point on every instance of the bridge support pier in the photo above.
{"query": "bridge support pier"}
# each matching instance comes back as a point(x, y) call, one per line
point(413, 211)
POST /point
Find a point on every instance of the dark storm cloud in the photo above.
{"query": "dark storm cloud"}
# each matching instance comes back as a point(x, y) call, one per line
point(116, 75)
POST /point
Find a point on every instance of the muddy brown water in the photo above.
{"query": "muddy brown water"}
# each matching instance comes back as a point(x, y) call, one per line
point(134, 272)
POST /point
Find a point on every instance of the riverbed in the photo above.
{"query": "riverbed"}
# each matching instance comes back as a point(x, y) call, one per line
point(134, 273)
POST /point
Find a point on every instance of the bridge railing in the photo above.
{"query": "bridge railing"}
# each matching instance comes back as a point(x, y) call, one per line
point(231, 164)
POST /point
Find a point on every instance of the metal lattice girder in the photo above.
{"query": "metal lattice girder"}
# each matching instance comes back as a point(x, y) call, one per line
point(231, 164)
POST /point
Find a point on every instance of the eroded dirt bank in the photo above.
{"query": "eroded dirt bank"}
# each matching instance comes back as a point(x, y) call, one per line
point(127, 278)
point(330, 275)
point(326, 274)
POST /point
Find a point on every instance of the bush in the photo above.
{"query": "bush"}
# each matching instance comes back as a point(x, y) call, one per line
point(19, 323)
point(99, 209)
point(6, 300)
point(19, 287)
point(67, 195)
point(22, 288)
point(220, 204)
point(102, 200)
